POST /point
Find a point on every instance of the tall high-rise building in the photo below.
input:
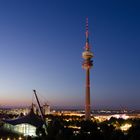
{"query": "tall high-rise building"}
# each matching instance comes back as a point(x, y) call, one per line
point(46, 109)
point(87, 64)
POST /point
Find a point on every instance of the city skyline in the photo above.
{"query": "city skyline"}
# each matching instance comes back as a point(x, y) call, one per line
point(41, 45)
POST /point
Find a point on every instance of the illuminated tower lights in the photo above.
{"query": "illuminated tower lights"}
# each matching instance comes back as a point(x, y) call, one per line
point(87, 64)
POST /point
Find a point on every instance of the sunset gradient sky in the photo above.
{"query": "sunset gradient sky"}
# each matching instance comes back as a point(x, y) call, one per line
point(41, 42)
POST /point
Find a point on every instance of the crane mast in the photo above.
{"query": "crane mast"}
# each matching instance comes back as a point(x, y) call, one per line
point(42, 115)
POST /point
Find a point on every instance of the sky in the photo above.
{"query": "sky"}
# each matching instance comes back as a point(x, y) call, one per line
point(41, 45)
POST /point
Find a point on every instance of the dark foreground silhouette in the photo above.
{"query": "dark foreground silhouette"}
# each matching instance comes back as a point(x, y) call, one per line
point(58, 129)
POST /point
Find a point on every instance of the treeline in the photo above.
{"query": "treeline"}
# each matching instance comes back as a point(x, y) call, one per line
point(91, 130)
point(59, 129)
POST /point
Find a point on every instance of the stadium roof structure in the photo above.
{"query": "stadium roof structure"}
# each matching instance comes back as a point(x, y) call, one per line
point(30, 118)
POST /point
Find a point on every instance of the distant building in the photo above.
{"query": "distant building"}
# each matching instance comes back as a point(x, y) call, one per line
point(46, 109)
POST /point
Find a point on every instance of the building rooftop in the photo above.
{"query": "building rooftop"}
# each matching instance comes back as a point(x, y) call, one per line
point(30, 118)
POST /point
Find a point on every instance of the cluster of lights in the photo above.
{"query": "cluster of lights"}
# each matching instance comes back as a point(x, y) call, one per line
point(20, 138)
point(123, 116)
point(74, 127)
point(125, 127)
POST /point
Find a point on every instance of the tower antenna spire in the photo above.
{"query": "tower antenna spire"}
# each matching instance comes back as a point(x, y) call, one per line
point(87, 36)
point(86, 24)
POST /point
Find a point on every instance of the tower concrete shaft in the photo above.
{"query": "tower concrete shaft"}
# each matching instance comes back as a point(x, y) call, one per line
point(87, 64)
point(87, 98)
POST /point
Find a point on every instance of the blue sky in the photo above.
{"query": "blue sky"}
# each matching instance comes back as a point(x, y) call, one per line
point(41, 44)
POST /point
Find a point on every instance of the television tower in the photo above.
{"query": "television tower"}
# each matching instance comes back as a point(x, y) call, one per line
point(87, 64)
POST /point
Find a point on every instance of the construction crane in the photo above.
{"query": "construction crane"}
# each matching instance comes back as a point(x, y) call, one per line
point(42, 115)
